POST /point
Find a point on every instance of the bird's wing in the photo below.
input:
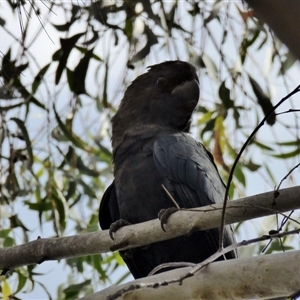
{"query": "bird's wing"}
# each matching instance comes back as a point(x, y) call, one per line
point(192, 179)
point(109, 209)
point(191, 175)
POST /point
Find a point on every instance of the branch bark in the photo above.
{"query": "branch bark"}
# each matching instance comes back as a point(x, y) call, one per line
point(261, 277)
point(180, 223)
point(282, 17)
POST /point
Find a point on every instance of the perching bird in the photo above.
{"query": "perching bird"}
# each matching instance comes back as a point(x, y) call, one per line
point(152, 146)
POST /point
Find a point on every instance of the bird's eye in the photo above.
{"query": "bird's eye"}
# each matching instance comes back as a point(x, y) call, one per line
point(160, 81)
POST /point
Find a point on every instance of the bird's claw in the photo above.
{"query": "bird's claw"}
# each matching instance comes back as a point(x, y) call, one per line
point(164, 215)
point(117, 225)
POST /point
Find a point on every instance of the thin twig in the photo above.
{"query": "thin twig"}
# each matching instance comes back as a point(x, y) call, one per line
point(170, 196)
point(288, 111)
point(283, 222)
point(296, 90)
point(212, 258)
point(287, 175)
point(286, 218)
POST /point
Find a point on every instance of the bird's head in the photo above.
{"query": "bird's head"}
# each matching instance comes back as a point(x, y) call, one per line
point(165, 96)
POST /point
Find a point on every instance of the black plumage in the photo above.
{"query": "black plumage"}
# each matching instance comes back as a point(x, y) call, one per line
point(151, 147)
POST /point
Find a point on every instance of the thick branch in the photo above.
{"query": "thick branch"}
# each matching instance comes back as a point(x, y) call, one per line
point(180, 223)
point(282, 17)
point(261, 277)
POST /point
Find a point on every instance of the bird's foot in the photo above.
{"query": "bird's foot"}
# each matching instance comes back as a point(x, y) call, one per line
point(117, 225)
point(164, 215)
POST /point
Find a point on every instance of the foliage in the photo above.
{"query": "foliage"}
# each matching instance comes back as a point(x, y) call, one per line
point(63, 72)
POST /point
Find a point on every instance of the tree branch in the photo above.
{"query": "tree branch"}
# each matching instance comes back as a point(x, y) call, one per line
point(281, 16)
point(261, 277)
point(180, 223)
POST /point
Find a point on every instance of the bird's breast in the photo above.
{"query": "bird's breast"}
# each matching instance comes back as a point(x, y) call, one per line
point(139, 185)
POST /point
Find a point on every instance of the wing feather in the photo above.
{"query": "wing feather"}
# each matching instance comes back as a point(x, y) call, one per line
point(190, 169)
point(109, 209)
point(192, 178)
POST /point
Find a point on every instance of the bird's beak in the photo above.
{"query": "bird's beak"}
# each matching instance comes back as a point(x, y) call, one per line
point(189, 90)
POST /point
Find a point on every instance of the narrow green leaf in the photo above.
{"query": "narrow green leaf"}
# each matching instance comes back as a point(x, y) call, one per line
point(205, 118)
point(60, 212)
point(79, 73)
point(38, 78)
point(287, 63)
point(77, 262)
point(39, 283)
point(252, 166)
point(262, 146)
point(214, 12)
point(87, 189)
point(295, 143)
point(75, 161)
point(224, 94)
point(9, 242)
point(263, 100)
point(77, 287)
point(66, 47)
point(104, 155)
point(71, 189)
point(70, 78)
point(276, 246)
point(70, 135)
point(29, 98)
point(211, 68)
point(201, 109)
point(76, 200)
point(64, 27)
point(287, 154)
point(22, 68)
point(16, 222)
point(84, 50)
point(104, 97)
point(21, 281)
point(7, 108)
point(128, 29)
point(56, 55)
point(239, 175)
point(84, 169)
point(236, 116)
point(151, 40)
point(96, 263)
point(5, 232)
point(23, 129)
point(208, 127)
point(94, 38)
point(40, 207)
point(2, 22)
point(122, 278)
point(7, 67)
point(271, 175)
point(247, 42)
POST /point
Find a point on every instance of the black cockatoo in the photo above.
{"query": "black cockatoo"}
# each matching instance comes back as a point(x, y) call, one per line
point(152, 147)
